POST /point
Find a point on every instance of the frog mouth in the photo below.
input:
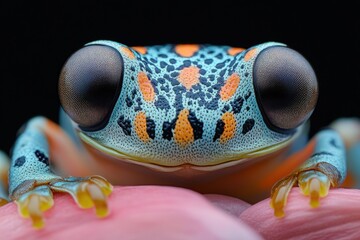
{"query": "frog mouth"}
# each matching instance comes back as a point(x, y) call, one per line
point(221, 163)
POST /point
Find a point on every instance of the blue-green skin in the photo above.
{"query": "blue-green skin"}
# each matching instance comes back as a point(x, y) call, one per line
point(203, 151)
point(207, 108)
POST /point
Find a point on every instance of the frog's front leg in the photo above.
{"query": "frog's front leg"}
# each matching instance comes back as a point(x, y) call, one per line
point(32, 180)
point(325, 167)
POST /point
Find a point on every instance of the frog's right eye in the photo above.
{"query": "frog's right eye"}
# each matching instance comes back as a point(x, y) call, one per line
point(286, 87)
point(90, 83)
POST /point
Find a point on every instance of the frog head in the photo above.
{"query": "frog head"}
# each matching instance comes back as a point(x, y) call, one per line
point(198, 105)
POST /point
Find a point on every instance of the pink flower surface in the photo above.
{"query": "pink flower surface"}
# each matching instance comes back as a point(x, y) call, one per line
point(154, 212)
point(337, 217)
point(144, 212)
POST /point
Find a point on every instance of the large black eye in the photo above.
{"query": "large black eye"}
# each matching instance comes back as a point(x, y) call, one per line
point(89, 85)
point(286, 87)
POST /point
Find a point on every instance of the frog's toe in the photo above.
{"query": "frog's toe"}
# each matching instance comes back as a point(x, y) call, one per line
point(34, 203)
point(87, 192)
point(313, 181)
point(279, 194)
point(314, 184)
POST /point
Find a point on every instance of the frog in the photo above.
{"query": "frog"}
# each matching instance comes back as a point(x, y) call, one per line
point(209, 118)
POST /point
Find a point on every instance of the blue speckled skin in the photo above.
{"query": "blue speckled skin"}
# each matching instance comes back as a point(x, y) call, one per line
point(249, 136)
point(202, 100)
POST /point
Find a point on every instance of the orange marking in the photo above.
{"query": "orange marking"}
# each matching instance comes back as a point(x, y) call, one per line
point(229, 89)
point(349, 181)
point(186, 50)
point(146, 88)
point(183, 132)
point(140, 127)
point(189, 76)
point(250, 54)
point(229, 127)
point(290, 164)
point(63, 152)
point(127, 52)
point(140, 49)
point(234, 50)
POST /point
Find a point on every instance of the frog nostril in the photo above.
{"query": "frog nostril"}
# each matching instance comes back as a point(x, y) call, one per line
point(286, 87)
point(89, 85)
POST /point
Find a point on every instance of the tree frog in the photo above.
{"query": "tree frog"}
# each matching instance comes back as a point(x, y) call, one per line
point(214, 119)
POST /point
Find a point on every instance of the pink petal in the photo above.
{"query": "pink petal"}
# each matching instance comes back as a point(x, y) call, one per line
point(231, 205)
point(338, 217)
point(143, 212)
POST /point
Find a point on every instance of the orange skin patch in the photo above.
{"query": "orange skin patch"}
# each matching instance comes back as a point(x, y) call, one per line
point(127, 52)
point(287, 166)
point(63, 152)
point(146, 88)
point(229, 89)
point(250, 54)
point(234, 50)
point(140, 49)
point(229, 127)
point(186, 50)
point(349, 181)
point(183, 132)
point(189, 76)
point(140, 127)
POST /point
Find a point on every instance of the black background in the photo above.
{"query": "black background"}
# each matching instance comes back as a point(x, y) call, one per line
point(38, 37)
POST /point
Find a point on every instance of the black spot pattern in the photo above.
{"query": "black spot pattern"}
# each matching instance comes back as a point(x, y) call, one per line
point(150, 127)
point(196, 125)
point(226, 108)
point(20, 161)
point(220, 65)
point(139, 103)
point(187, 63)
point(219, 129)
point(237, 104)
point(247, 95)
point(163, 70)
point(162, 103)
point(125, 125)
point(213, 103)
point(163, 64)
point(248, 125)
point(323, 153)
point(208, 61)
point(167, 129)
point(128, 101)
point(42, 157)
point(334, 143)
point(219, 56)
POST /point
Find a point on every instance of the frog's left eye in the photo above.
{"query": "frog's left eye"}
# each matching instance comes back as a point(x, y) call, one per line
point(89, 85)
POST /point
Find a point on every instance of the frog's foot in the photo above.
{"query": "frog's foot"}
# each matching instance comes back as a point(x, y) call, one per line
point(87, 192)
point(314, 182)
point(32, 204)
